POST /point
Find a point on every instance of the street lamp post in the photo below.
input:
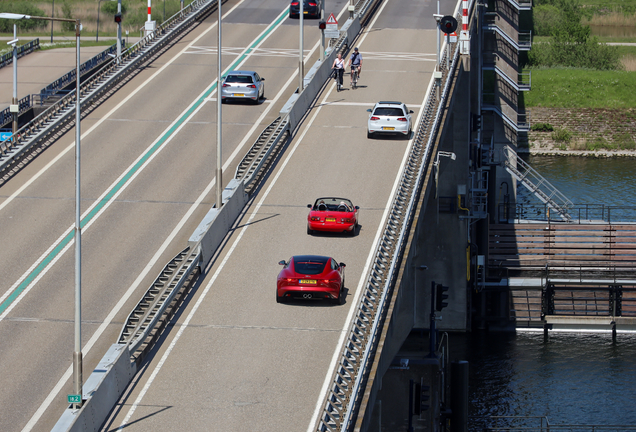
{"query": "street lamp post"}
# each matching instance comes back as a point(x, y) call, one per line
point(14, 108)
point(77, 351)
point(219, 124)
point(301, 63)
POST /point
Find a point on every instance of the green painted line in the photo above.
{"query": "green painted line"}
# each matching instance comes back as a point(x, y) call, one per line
point(71, 235)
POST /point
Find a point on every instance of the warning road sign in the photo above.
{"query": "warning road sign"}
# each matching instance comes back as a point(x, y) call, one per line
point(331, 27)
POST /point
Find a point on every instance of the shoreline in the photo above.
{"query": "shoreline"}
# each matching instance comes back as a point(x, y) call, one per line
point(600, 154)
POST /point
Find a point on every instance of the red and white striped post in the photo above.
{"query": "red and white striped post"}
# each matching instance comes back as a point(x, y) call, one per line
point(464, 35)
point(150, 14)
point(150, 25)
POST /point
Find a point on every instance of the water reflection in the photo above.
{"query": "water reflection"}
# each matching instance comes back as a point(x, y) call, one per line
point(570, 378)
point(613, 31)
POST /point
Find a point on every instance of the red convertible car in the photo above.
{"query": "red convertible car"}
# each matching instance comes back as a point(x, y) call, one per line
point(332, 215)
point(311, 277)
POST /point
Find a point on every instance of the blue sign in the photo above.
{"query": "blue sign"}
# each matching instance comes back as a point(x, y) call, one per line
point(5, 136)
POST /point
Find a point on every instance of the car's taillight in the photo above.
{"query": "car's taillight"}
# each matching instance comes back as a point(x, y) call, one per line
point(402, 119)
point(315, 218)
point(294, 4)
point(251, 86)
point(375, 118)
point(291, 281)
point(345, 220)
point(312, 4)
point(226, 85)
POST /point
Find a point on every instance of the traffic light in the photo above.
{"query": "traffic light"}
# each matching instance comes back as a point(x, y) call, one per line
point(440, 297)
point(422, 396)
point(476, 122)
point(322, 25)
point(118, 17)
point(448, 24)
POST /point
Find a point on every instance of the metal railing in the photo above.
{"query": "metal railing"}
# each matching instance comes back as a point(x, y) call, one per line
point(69, 78)
point(520, 122)
point(7, 59)
point(536, 183)
point(540, 424)
point(579, 213)
point(354, 362)
point(62, 112)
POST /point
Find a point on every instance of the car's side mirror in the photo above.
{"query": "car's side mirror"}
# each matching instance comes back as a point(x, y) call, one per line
point(263, 79)
point(410, 111)
point(369, 110)
point(342, 265)
point(283, 262)
point(357, 208)
point(309, 206)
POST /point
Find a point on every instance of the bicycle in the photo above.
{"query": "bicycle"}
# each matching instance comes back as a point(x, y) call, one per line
point(354, 76)
point(337, 76)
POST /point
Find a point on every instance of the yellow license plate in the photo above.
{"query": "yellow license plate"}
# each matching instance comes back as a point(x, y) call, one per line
point(308, 281)
point(305, 12)
point(388, 128)
point(241, 95)
point(330, 220)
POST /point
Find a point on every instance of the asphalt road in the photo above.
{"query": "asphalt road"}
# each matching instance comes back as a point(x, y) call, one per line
point(236, 360)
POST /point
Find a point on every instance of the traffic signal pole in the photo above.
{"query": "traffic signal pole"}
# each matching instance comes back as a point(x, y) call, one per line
point(432, 338)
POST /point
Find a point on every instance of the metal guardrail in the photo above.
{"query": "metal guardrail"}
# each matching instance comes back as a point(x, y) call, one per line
point(141, 321)
point(252, 163)
point(345, 393)
point(69, 78)
point(62, 112)
point(24, 104)
point(579, 213)
point(7, 59)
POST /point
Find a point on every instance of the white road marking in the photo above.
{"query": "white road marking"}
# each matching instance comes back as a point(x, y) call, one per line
point(399, 56)
point(336, 355)
point(260, 52)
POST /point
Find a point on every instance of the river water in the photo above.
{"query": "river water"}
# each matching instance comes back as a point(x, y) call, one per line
point(590, 181)
point(572, 378)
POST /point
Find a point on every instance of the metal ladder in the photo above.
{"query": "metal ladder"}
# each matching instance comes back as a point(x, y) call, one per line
point(536, 183)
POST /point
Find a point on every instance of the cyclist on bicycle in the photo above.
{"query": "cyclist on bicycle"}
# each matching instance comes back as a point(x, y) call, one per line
point(339, 66)
point(356, 62)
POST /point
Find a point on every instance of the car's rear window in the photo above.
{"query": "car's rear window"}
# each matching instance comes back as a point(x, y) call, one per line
point(310, 266)
point(242, 79)
point(385, 111)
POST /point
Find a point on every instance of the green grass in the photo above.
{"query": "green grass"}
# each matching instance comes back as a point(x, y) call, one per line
point(581, 88)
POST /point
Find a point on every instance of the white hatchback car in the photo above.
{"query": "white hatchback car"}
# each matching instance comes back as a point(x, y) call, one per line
point(389, 118)
point(243, 85)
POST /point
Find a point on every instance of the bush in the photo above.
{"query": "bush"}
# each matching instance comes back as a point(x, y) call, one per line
point(6, 25)
point(562, 135)
point(542, 127)
point(599, 143)
point(110, 7)
point(625, 142)
point(67, 11)
point(571, 44)
point(546, 18)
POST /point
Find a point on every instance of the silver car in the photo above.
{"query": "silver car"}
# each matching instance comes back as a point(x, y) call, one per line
point(389, 118)
point(243, 85)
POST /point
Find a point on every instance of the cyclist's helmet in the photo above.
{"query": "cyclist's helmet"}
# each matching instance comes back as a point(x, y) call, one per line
point(355, 49)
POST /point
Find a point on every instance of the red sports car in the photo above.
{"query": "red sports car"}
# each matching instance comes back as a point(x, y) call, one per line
point(334, 215)
point(311, 277)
